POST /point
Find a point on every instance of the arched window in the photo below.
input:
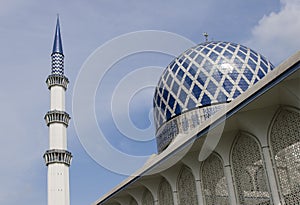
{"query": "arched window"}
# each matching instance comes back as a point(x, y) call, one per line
point(249, 172)
point(215, 190)
point(285, 146)
point(147, 198)
point(133, 201)
point(165, 194)
point(187, 188)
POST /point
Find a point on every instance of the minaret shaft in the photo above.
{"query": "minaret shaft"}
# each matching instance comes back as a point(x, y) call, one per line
point(57, 158)
point(57, 98)
point(58, 139)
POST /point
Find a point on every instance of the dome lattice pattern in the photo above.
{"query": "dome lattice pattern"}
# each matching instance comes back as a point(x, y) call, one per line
point(207, 74)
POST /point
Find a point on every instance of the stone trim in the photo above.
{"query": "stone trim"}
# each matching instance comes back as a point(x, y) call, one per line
point(57, 156)
point(57, 116)
point(56, 79)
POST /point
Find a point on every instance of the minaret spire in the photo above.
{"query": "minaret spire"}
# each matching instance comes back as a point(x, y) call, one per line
point(57, 45)
point(57, 157)
point(57, 52)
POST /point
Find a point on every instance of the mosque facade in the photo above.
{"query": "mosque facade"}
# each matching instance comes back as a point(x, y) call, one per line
point(227, 131)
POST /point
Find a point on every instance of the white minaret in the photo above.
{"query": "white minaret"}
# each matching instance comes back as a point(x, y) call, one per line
point(57, 158)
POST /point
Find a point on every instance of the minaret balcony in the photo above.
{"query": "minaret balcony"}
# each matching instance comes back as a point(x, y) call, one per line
point(57, 156)
point(58, 117)
point(59, 80)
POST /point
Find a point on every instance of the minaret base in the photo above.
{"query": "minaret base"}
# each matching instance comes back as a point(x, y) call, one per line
point(58, 184)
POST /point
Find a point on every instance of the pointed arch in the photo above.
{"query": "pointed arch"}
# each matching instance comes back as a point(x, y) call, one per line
point(147, 198)
point(165, 194)
point(215, 189)
point(133, 201)
point(186, 186)
point(284, 141)
point(251, 182)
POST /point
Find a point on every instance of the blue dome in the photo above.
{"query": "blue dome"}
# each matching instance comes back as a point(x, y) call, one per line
point(207, 74)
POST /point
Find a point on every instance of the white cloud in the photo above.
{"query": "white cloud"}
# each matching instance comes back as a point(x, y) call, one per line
point(277, 35)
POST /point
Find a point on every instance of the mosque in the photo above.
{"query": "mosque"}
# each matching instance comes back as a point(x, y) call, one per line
point(227, 131)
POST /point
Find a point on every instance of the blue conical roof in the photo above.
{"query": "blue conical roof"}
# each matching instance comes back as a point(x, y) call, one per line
point(57, 45)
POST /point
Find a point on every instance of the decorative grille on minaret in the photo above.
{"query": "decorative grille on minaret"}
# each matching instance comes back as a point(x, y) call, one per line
point(57, 158)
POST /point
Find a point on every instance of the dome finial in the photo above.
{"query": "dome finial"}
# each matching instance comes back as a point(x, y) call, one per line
point(206, 36)
point(57, 45)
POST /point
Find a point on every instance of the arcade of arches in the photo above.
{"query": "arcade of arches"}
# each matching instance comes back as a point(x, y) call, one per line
point(245, 168)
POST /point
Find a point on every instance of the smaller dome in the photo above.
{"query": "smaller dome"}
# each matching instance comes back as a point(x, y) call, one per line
point(199, 81)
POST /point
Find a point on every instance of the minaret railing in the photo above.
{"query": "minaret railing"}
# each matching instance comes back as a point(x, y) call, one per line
point(57, 156)
point(58, 117)
point(59, 80)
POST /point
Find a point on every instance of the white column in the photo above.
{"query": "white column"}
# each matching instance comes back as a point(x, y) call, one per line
point(199, 191)
point(271, 175)
point(175, 197)
point(231, 192)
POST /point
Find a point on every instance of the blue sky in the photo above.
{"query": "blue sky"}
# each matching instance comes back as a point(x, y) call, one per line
point(271, 27)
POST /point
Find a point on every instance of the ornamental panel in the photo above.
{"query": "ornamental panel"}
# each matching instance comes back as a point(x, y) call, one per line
point(285, 146)
point(249, 172)
point(165, 194)
point(187, 188)
point(215, 190)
